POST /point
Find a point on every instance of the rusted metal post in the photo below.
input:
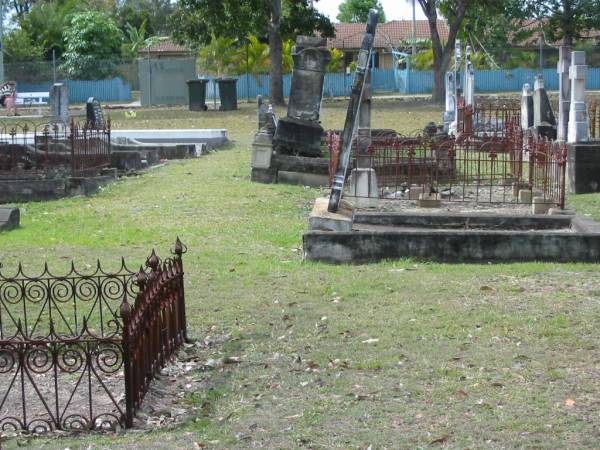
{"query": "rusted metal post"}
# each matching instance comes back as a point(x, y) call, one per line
point(351, 123)
point(125, 311)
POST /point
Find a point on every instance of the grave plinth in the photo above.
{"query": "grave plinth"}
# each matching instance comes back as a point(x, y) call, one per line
point(583, 167)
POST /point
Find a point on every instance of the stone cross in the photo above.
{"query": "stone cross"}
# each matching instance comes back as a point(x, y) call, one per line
point(564, 92)
point(579, 127)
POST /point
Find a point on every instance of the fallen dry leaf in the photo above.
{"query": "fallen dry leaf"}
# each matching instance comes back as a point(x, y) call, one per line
point(440, 440)
point(486, 288)
point(569, 403)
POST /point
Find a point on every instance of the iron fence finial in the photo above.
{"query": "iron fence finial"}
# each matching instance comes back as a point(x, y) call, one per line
point(153, 261)
point(125, 308)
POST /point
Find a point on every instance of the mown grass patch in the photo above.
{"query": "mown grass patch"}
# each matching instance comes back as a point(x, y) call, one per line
point(399, 354)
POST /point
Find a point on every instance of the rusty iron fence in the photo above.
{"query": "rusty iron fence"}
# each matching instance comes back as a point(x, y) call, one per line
point(90, 148)
point(486, 121)
point(78, 351)
point(53, 149)
point(462, 169)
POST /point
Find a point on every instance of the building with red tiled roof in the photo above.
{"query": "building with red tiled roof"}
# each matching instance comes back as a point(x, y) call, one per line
point(389, 36)
point(165, 49)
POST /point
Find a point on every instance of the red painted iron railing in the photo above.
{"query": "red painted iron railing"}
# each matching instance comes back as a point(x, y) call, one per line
point(473, 167)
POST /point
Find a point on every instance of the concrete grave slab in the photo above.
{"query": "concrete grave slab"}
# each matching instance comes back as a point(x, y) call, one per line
point(10, 218)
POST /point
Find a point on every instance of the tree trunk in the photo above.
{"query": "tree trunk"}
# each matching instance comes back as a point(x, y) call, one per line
point(442, 53)
point(276, 55)
point(438, 92)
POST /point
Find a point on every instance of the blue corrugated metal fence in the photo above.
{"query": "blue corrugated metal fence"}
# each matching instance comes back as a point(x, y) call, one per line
point(408, 82)
point(114, 89)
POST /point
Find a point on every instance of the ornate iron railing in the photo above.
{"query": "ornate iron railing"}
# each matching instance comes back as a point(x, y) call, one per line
point(75, 354)
point(53, 149)
point(467, 168)
point(90, 147)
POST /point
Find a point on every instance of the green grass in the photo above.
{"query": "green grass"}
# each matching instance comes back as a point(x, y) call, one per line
point(399, 354)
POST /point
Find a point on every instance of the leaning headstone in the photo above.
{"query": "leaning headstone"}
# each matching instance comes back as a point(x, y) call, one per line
point(94, 114)
point(59, 101)
point(579, 127)
point(300, 132)
point(9, 218)
point(526, 107)
point(544, 121)
point(564, 92)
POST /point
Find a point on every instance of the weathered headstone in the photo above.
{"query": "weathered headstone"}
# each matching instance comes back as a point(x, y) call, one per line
point(544, 121)
point(59, 101)
point(526, 107)
point(9, 218)
point(469, 79)
point(450, 101)
point(262, 111)
point(579, 127)
point(300, 132)
point(564, 92)
point(94, 114)
point(452, 129)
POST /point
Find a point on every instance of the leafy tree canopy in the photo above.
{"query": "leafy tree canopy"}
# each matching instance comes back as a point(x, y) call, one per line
point(92, 41)
point(196, 21)
point(154, 13)
point(357, 11)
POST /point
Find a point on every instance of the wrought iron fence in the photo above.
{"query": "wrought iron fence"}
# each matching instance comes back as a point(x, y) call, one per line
point(75, 354)
point(469, 168)
point(90, 148)
point(53, 149)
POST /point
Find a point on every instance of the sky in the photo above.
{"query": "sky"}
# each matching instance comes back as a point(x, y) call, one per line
point(394, 9)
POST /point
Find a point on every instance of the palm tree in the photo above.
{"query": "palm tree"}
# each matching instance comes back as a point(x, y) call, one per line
point(253, 57)
point(217, 57)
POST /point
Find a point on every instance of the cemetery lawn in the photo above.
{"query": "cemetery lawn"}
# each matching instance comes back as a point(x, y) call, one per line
point(400, 354)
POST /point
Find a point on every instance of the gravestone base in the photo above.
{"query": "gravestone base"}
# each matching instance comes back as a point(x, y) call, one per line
point(583, 167)
point(363, 188)
point(323, 220)
point(267, 176)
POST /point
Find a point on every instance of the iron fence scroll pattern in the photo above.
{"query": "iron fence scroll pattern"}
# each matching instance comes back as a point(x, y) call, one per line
point(74, 352)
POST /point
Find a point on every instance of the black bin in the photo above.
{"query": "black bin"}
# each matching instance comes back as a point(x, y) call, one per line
point(227, 93)
point(197, 91)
